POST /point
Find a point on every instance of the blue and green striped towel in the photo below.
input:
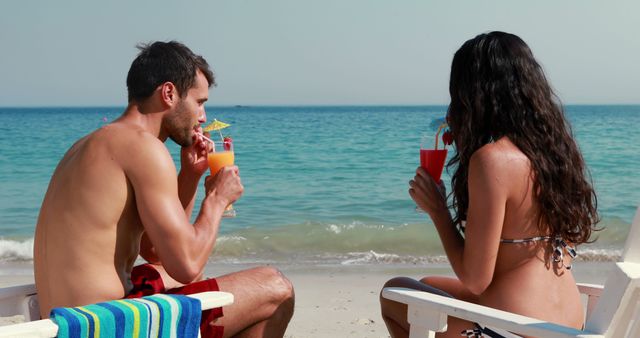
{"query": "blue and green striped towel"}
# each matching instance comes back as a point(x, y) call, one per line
point(166, 316)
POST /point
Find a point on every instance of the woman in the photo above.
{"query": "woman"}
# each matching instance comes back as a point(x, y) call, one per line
point(520, 193)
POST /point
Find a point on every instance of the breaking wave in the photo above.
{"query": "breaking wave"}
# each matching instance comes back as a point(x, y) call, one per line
point(353, 243)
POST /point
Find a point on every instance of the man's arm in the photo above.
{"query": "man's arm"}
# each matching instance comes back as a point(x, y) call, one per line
point(193, 163)
point(147, 251)
point(182, 248)
point(187, 188)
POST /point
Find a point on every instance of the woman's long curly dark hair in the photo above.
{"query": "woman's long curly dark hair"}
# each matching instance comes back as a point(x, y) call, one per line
point(499, 90)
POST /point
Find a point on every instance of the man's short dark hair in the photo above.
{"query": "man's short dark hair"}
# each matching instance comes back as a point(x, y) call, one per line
point(161, 62)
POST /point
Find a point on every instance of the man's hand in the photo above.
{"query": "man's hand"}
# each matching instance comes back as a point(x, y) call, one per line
point(193, 159)
point(225, 187)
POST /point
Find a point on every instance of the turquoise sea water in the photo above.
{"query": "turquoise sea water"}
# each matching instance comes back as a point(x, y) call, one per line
point(322, 184)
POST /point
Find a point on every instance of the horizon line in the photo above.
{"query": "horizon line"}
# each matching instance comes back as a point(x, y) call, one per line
point(300, 105)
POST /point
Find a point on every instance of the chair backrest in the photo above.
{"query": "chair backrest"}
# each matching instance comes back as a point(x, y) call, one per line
point(617, 313)
point(20, 300)
point(631, 252)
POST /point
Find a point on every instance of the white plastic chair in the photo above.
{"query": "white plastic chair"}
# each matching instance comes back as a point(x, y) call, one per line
point(613, 310)
point(22, 300)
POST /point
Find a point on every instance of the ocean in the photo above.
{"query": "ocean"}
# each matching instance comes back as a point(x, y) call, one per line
point(323, 184)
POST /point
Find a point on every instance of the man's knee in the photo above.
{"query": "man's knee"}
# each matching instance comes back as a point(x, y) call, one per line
point(279, 285)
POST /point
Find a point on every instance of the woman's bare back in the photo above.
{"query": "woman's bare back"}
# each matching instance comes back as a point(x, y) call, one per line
point(526, 279)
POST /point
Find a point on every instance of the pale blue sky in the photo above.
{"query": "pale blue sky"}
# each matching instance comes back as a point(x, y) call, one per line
point(276, 52)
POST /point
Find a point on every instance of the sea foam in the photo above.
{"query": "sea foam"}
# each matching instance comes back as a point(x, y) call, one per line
point(16, 250)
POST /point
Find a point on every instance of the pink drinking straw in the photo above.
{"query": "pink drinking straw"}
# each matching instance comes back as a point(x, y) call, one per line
point(442, 126)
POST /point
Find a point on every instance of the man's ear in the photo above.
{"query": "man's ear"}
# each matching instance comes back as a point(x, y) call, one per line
point(169, 93)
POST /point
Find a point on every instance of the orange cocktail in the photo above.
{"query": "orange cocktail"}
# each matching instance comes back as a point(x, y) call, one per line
point(222, 156)
point(220, 159)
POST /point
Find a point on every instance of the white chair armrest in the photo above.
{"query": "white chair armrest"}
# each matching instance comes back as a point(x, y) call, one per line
point(438, 306)
point(213, 299)
point(590, 289)
point(46, 328)
point(19, 300)
point(17, 291)
point(593, 292)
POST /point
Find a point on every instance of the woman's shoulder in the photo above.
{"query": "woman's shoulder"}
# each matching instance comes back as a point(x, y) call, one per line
point(499, 156)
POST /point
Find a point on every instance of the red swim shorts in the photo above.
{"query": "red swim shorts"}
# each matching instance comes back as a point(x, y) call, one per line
point(147, 281)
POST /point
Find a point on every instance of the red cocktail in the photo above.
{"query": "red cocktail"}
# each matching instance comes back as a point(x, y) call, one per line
point(433, 162)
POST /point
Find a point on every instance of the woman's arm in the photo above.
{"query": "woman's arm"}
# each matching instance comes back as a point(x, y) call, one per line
point(488, 192)
point(473, 258)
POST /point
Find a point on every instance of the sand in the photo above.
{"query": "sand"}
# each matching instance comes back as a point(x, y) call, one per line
point(331, 301)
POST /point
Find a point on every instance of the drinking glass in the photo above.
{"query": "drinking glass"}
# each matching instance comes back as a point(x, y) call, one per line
point(222, 155)
point(432, 160)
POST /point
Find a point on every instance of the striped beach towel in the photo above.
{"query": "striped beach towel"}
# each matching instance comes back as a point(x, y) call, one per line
point(167, 316)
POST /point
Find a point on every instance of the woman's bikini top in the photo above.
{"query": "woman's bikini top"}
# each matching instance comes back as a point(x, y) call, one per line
point(559, 247)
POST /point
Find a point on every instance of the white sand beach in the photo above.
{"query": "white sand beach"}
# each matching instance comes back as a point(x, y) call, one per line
point(331, 301)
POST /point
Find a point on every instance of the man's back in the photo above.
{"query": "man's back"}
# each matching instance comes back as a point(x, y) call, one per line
point(88, 226)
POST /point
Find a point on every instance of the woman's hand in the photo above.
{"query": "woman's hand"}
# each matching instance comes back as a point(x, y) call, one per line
point(428, 195)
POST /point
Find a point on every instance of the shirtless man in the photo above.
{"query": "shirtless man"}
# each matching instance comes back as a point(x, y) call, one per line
point(118, 187)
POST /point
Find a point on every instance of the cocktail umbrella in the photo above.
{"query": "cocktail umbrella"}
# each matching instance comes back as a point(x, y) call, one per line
point(216, 125)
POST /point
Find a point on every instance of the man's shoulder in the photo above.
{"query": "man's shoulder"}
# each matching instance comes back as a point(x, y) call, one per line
point(119, 133)
point(119, 139)
point(124, 144)
point(136, 147)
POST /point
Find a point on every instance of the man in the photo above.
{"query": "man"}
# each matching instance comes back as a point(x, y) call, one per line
point(118, 187)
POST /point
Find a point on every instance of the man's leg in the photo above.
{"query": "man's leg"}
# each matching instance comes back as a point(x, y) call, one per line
point(263, 306)
point(263, 301)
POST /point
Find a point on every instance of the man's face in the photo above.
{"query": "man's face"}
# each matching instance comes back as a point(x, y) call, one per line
point(188, 114)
